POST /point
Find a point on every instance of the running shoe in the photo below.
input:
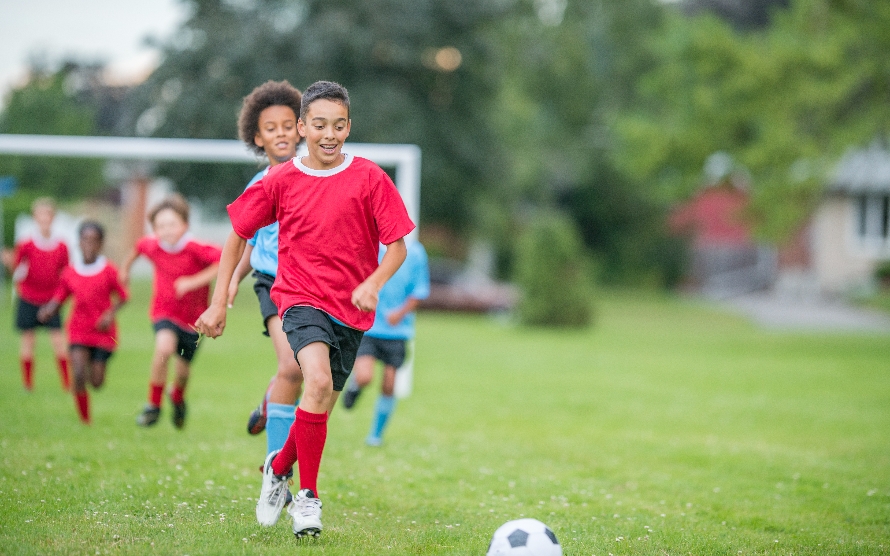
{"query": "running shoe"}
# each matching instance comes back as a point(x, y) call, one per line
point(306, 513)
point(273, 494)
point(149, 416)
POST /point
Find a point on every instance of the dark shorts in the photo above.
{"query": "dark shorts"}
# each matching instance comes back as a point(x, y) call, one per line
point(187, 342)
point(391, 352)
point(263, 289)
point(305, 325)
point(96, 354)
point(26, 317)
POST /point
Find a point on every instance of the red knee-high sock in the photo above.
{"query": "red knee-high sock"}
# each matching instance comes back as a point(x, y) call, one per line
point(28, 373)
point(63, 372)
point(310, 432)
point(287, 457)
point(177, 394)
point(83, 405)
point(155, 393)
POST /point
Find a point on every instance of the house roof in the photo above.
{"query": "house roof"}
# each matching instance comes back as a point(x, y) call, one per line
point(862, 171)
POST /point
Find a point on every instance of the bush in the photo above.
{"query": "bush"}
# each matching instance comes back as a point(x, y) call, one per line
point(551, 271)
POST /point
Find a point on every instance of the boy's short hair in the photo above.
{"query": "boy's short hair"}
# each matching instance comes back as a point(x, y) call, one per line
point(47, 202)
point(91, 225)
point(270, 93)
point(327, 90)
point(174, 202)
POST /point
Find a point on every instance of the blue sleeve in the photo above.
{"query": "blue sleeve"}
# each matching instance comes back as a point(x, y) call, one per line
point(421, 270)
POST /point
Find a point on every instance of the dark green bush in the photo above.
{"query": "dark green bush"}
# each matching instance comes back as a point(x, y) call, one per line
point(551, 271)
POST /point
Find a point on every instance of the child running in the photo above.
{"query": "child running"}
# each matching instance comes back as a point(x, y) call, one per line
point(333, 210)
point(36, 266)
point(268, 125)
point(184, 269)
point(92, 331)
point(385, 341)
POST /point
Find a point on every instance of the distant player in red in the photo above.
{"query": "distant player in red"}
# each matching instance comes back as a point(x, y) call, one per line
point(36, 266)
point(92, 331)
point(184, 269)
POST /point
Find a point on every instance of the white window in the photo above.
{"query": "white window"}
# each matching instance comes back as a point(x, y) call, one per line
point(873, 221)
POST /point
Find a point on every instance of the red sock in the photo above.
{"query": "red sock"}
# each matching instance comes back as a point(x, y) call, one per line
point(63, 372)
point(177, 394)
point(310, 438)
point(83, 405)
point(28, 373)
point(287, 457)
point(155, 394)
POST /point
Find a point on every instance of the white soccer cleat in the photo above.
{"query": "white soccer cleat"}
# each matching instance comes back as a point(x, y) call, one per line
point(306, 512)
point(273, 494)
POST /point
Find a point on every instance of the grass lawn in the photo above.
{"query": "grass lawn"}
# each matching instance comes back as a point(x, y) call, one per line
point(668, 428)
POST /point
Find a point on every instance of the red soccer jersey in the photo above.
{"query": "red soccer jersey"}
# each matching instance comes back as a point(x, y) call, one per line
point(185, 258)
point(331, 223)
point(39, 263)
point(91, 286)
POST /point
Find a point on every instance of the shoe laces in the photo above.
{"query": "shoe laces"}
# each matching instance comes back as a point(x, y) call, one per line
point(276, 492)
point(307, 506)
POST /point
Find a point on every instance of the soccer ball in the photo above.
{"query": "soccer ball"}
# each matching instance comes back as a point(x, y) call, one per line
point(524, 537)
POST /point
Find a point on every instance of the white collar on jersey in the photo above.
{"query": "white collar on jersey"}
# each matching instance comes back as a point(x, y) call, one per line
point(45, 243)
point(93, 268)
point(178, 246)
point(347, 160)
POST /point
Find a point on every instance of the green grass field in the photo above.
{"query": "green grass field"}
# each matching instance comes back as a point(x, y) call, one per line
point(668, 428)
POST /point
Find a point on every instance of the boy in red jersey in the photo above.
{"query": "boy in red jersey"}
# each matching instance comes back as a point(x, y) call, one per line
point(36, 266)
point(184, 269)
point(91, 328)
point(333, 211)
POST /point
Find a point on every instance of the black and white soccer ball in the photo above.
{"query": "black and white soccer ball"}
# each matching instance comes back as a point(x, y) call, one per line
point(524, 537)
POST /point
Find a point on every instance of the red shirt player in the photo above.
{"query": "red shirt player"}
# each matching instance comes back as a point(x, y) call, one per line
point(333, 211)
point(36, 266)
point(184, 269)
point(92, 332)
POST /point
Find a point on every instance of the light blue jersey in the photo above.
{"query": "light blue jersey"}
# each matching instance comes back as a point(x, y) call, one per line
point(264, 256)
point(411, 280)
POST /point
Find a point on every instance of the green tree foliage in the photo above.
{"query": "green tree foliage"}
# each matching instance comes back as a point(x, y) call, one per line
point(50, 103)
point(785, 101)
point(417, 72)
point(552, 273)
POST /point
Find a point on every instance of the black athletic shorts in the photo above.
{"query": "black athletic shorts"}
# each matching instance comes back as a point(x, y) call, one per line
point(391, 352)
point(96, 353)
point(263, 289)
point(187, 342)
point(305, 325)
point(26, 317)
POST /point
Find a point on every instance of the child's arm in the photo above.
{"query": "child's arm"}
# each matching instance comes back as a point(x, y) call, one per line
point(242, 270)
point(213, 320)
point(124, 273)
point(47, 310)
point(408, 307)
point(108, 316)
point(185, 284)
point(364, 297)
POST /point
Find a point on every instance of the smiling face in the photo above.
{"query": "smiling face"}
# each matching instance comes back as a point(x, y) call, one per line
point(169, 226)
point(277, 134)
point(90, 244)
point(325, 128)
point(43, 217)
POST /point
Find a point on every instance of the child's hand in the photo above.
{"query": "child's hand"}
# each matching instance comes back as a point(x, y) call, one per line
point(124, 277)
point(395, 317)
point(183, 285)
point(44, 313)
point(212, 322)
point(233, 291)
point(364, 297)
point(105, 320)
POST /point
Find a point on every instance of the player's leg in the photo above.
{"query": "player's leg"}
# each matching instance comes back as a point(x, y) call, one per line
point(285, 389)
point(97, 373)
point(60, 348)
point(80, 363)
point(26, 356)
point(182, 368)
point(386, 404)
point(362, 372)
point(166, 342)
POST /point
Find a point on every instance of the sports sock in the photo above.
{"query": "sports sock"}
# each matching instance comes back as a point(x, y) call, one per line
point(384, 408)
point(279, 420)
point(310, 439)
point(155, 394)
point(83, 405)
point(177, 394)
point(28, 373)
point(63, 372)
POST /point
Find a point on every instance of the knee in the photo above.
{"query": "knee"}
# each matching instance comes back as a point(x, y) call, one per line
point(289, 371)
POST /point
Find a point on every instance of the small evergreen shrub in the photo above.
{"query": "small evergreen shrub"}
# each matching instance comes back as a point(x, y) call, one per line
point(551, 271)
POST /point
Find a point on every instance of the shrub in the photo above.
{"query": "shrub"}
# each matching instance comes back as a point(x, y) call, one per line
point(551, 271)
